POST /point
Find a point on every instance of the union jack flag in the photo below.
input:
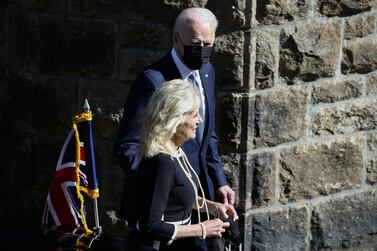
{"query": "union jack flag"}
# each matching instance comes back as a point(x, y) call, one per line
point(75, 175)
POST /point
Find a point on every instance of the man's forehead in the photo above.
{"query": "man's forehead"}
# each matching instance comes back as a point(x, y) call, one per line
point(196, 27)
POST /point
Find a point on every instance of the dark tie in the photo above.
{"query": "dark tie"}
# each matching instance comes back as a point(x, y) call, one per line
point(200, 129)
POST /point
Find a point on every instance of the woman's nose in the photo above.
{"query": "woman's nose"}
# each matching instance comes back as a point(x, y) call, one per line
point(200, 120)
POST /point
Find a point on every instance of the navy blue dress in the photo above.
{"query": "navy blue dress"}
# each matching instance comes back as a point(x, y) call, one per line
point(165, 196)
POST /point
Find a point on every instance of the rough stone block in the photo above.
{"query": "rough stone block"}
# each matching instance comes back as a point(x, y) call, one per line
point(108, 167)
point(112, 184)
point(346, 223)
point(16, 207)
point(346, 118)
point(231, 117)
point(99, 8)
point(372, 142)
point(245, 225)
point(309, 51)
point(3, 96)
point(23, 171)
point(46, 152)
point(110, 178)
point(229, 13)
point(372, 171)
point(280, 230)
point(30, 174)
point(228, 59)
point(107, 112)
point(329, 91)
point(263, 168)
point(7, 136)
point(3, 18)
point(280, 116)
point(279, 11)
point(51, 104)
point(11, 89)
point(112, 224)
point(54, 6)
point(165, 11)
point(359, 56)
point(235, 171)
point(3, 44)
point(267, 47)
point(22, 43)
point(139, 33)
point(372, 83)
point(76, 47)
point(45, 105)
point(359, 26)
point(311, 170)
point(343, 7)
point(134, 60)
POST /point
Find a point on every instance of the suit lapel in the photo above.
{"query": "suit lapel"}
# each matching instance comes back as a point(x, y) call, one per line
point(205, 82)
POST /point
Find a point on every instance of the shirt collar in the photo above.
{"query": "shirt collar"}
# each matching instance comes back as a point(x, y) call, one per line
point(182, 68)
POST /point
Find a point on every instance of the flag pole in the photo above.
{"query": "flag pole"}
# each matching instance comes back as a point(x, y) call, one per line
point(96, 217)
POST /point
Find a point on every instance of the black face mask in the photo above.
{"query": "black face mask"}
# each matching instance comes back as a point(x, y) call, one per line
point(196, 56)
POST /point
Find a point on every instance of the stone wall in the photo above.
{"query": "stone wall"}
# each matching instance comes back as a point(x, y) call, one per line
point(296, 99)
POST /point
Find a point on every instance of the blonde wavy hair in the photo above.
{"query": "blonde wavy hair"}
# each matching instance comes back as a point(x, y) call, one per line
point(165, 111)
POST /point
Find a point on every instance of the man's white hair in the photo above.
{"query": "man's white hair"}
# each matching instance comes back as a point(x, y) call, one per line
point(166, 109)
point(195, 14)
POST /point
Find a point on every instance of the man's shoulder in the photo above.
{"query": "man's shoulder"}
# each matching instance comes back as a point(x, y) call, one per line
point(160, 65)
point(157, 70)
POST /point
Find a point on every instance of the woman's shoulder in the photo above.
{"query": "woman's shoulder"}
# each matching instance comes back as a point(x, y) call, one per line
point(159, 161)
point(163, 157)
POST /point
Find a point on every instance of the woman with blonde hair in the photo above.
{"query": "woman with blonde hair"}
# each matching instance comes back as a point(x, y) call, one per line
point(169, 188)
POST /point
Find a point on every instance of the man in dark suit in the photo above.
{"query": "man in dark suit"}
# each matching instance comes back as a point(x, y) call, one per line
point(193, 38)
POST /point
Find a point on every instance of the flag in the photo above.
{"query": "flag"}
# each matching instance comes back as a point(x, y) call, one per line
point(74, 176)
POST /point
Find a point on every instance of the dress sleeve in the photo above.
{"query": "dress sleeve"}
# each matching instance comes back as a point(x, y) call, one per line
point(161, 180)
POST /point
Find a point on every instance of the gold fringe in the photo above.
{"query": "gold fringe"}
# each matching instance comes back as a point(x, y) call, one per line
point(91, 193)
point(85, 116)
point(77, 167)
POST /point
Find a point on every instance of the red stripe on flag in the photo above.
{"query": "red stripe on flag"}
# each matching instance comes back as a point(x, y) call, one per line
point(82, 152)
point(58, 197)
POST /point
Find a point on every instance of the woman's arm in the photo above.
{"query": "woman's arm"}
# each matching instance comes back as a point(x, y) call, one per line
point(219, 210)
point(156, 181)
point(209, 228)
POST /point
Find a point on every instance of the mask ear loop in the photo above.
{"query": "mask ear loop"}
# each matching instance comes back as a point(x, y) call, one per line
point(180, 39)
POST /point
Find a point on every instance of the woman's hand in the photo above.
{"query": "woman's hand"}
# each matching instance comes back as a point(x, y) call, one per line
point(215, 227)
point(223, 211)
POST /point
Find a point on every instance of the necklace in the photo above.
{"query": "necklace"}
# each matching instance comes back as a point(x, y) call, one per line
point(189, 171)
point(185, 168)
point(170, 150)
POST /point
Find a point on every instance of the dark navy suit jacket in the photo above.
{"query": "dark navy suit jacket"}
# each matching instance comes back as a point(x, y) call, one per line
point(203, 156)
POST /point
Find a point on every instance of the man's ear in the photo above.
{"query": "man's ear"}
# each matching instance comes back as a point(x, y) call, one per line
point(175, 38)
